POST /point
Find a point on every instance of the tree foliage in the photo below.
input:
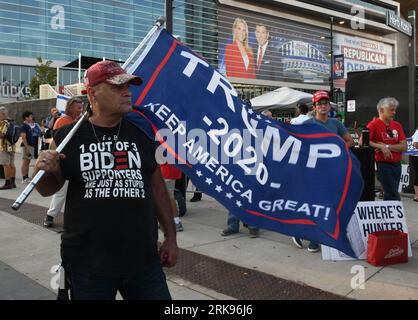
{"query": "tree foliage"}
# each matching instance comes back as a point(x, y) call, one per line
point(44, 74)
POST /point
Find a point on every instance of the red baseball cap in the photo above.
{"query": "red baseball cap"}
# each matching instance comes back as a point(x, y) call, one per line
point(320, 95)
point(109, 72)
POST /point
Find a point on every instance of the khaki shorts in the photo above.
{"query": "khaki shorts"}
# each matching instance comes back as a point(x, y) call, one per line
point(30, 155)
point(7, 158)
point(170, 185)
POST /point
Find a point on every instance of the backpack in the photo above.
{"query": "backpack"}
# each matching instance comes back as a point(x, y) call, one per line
point(13, 132)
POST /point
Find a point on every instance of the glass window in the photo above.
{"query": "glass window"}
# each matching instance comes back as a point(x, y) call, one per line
point(6, 74)
point(15, 76)
point(24, 76)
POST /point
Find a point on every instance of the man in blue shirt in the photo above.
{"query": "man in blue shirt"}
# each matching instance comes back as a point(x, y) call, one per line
point(322, 106)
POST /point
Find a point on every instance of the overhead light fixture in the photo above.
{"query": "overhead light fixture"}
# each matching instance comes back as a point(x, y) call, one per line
point(341, 22)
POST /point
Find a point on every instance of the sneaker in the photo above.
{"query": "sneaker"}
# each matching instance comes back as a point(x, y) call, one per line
point(27, 180)
point(298, 242)
point(228, 232)
point(254, 233)
point(49, 221)
point(179, 226)
point(313, 247)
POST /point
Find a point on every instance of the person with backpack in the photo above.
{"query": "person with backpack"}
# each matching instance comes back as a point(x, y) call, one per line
point(28, 142)
point(7, 148)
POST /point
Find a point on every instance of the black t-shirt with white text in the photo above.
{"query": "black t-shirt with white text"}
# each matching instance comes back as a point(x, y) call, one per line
point(110, 226)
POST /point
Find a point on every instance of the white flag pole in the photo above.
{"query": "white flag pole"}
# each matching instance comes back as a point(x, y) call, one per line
point(29, 188)
point(158, 24)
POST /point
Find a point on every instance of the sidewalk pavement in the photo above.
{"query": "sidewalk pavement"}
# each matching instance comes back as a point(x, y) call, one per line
point(28, 251)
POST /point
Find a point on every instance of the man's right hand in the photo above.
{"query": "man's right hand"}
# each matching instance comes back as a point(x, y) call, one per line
point(49, 161)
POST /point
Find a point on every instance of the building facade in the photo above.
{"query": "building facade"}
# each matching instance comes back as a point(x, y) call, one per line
point(299, 38)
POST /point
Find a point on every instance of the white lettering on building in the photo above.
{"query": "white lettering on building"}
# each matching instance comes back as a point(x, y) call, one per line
point(58, 20)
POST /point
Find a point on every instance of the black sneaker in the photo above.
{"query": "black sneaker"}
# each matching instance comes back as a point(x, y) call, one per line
point(49, 221)
point(298, 242)
point(228, 232)
point(254, 233)
point(313, 247)
point(196, 198)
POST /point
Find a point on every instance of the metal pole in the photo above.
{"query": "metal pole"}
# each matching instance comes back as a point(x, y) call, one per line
point(412, 82)
point(331, 78)
point(169, 15)
point(159, 23)
point(57, 86)
point(412, 74)
point(79, 68)
point(29, 188)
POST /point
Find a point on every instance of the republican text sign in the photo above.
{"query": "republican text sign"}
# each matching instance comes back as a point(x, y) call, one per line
point(297, 180)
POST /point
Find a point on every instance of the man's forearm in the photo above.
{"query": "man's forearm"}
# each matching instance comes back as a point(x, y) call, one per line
point(400, 147)
point(375, 145)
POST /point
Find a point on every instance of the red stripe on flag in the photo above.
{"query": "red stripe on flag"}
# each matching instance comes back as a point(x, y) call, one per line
point(336, 233)
point(121, 167)
point(119, 160)
point(297, 221)
point(155, 74)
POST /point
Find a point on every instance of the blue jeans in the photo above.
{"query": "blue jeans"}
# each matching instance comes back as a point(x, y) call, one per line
point(389, 175)
point(233, 223)
point(150, 284)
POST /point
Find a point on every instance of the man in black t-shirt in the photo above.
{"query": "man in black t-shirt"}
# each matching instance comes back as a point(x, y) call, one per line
point(109, 242)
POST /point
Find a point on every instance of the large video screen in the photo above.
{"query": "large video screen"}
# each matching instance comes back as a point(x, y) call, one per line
point(259, 46)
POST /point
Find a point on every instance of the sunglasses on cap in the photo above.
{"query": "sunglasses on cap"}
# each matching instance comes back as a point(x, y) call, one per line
point(389, 132)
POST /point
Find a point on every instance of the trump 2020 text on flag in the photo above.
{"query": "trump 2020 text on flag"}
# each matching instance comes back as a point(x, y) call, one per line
point(298, 180)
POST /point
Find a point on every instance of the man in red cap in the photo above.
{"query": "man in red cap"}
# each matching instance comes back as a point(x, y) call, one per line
point(322, 106)
point(110, 234)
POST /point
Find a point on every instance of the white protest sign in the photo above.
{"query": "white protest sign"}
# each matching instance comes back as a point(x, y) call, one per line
point(351, 105)
point(404, 182)
point(61, 102)
point(370, 216)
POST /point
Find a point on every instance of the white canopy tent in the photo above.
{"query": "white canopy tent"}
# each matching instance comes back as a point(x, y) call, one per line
point(282, 98)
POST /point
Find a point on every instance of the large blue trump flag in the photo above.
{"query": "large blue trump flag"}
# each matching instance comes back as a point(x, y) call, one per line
point(298, 180)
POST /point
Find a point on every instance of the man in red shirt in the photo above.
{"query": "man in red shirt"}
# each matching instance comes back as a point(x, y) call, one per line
point(170, 174)
point(388, 139)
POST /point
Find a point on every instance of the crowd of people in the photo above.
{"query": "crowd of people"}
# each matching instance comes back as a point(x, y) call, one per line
point(104, 252)
point(30, 133)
